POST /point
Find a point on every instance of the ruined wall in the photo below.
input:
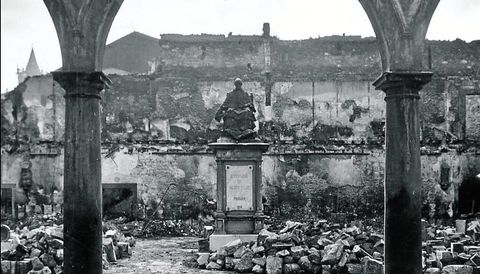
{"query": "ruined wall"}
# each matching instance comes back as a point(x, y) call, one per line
point(325, 123)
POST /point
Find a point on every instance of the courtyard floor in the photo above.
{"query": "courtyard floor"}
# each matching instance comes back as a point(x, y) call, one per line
point(163, 256)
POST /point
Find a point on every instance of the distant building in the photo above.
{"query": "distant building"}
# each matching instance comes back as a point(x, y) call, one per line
point(32, 68)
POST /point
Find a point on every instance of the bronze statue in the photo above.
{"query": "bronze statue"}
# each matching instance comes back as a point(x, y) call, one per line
point(237, 112)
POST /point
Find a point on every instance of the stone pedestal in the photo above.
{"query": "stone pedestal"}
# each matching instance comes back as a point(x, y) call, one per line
point(239, 182)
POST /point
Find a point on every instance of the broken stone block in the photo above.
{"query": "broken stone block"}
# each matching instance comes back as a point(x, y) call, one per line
point(333, 253)
point(109, 250)
point(202, 259)
point(257, 269)
point(48, 260)
point(124, 249)
point(372, 266)
point(245, 264)
point(433, 270)
point(37, 264)
point(260, 261)
point(213, 266)
point(239, 252)
point(264, 234)
point(305, 264)
point(297, 252)
point(461, 226)
point(35, 253)
point(457, 269)
point(274, 265)
point(232, 246)
point(258, 250)
point(315, 256)
point(291, 268)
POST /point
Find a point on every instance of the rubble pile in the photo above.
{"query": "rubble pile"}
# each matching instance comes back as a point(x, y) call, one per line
point(34, 251)
point(39, 250)
point(354, 249)
point(301, 248)
point(452, 249)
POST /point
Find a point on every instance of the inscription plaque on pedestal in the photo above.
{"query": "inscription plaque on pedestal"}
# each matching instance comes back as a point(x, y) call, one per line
point(239, 186)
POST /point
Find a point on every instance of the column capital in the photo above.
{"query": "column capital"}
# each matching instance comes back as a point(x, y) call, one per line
point(402, 83)
point(82, 29)
point(400, 28)
point(82, 84)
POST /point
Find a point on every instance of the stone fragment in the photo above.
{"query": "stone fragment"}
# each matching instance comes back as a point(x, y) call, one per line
point(124, 248)
point(35, 253)
point(239, 252)
point(257, 269)
point(258, 250)
point(315, 256)
point(372, 266)
point(37, 264)
point(232, 246)
point(274, 265)
point(457, 269)
point(48, 260)
point(109, 250)
point(333, 253)
point(305, 264)
point(291, 268)
point(245, 264)
point(297, 252)
point(260, 261)
point(202, 259)
point(264, 234)
point(433, 270)
point(213, 266)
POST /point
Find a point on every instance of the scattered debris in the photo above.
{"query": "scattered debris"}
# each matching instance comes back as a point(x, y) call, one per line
point(321, 247)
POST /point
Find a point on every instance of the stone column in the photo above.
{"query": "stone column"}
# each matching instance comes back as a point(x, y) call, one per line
point(82, 171)
point(403, 184)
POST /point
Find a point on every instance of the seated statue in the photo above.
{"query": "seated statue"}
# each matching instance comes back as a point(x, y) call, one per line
point(237, 112)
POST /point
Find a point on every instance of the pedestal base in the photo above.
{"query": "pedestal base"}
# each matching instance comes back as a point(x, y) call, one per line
point(217, 241)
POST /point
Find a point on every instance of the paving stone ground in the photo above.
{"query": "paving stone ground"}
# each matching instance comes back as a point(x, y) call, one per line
point(162, 256)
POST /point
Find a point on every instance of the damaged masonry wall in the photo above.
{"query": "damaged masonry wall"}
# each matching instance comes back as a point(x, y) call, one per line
point(326, 132)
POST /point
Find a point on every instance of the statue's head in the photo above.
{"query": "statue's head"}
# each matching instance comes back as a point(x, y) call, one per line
point(238, 83)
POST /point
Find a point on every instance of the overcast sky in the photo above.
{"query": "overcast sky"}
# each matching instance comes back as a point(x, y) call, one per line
point(27, 23)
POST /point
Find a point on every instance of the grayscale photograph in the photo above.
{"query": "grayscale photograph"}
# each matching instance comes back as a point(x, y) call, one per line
point(240, 136)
